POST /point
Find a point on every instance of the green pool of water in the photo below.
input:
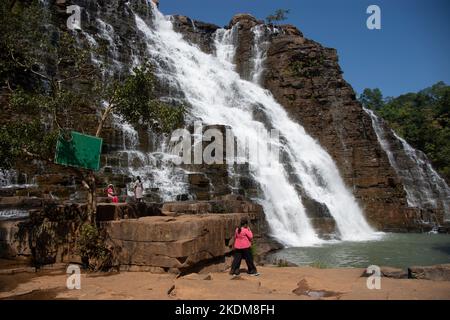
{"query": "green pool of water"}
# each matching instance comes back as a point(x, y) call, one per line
point(394, 249)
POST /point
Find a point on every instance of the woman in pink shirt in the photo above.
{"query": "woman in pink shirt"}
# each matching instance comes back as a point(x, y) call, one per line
point(242, 243)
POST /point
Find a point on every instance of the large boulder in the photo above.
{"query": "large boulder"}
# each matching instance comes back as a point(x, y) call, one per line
point(389, 272)
point(244, 19)
point(440, 272)
point(179, 243)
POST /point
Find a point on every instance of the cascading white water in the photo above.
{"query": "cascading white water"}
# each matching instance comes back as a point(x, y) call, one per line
point(260, 45)
point(10, 179)
point(218, 95)
point(423, 186)
point(225, 43)
point(8, 214)
point(156, 169)
point(106, 31)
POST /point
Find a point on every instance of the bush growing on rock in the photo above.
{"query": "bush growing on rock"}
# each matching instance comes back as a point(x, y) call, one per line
point(93, 251)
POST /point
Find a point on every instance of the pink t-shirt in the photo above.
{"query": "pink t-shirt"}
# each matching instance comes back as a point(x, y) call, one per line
point(243, 239)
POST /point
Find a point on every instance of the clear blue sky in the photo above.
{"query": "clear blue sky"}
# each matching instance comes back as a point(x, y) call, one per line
point(409, 53)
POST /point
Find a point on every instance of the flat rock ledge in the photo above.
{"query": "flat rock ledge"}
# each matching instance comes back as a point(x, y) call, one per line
point(185, 243)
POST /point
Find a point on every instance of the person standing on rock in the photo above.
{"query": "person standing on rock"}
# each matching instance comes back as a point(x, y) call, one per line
point(243, 237)
point(138, 189)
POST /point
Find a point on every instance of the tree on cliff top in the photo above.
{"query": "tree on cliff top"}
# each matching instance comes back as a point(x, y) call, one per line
point(278, 16)
point(45, 73)
point(372, 99)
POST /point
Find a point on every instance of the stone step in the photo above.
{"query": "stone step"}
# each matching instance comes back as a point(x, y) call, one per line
point(117, 211)
point(211, 206)
point(20, 202)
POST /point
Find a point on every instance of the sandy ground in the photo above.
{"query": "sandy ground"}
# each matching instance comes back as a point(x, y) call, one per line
point(273, 283)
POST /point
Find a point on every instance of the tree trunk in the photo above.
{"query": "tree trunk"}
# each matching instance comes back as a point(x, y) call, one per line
point(90, 184)
point(103, 119)
point(92, 198)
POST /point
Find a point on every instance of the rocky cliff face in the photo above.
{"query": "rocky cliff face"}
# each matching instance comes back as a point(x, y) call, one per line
point(302, 75)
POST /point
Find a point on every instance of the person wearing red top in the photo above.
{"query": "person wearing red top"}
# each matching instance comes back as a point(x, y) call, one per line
point(243, 237)
point(112, 194)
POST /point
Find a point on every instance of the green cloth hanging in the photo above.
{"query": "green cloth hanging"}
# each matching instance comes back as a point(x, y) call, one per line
point(81, 150)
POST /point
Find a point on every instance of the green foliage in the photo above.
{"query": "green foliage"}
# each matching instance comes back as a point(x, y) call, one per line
point(50, 232)
point(38, 63)
point(307, 66)
point(279, 15)
point(47, 74)
point(92, 246)
point(253, 249)
point(25, 138)
point(422, 119)
point(136, 101)
point(23, 31)
point(24, 101)
point(31, 42)
point(372, 99)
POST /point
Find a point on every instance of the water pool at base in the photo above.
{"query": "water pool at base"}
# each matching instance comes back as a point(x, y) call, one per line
point(394, 250)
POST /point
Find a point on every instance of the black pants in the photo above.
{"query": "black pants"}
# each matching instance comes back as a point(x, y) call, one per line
point(238, 255)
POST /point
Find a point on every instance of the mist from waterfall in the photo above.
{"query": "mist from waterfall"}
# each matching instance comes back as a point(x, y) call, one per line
point(217, 95)
point(423, 186)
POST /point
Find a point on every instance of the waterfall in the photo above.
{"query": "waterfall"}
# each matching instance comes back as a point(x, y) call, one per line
point(13, 179)
point(225, 43)
point(424, 187)
point(106, 32)
point(260, 45)
point(156, 169)
point(218, 95)
point(9, 214)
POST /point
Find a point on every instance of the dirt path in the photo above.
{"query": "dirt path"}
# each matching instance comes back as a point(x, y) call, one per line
point(273, 283)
